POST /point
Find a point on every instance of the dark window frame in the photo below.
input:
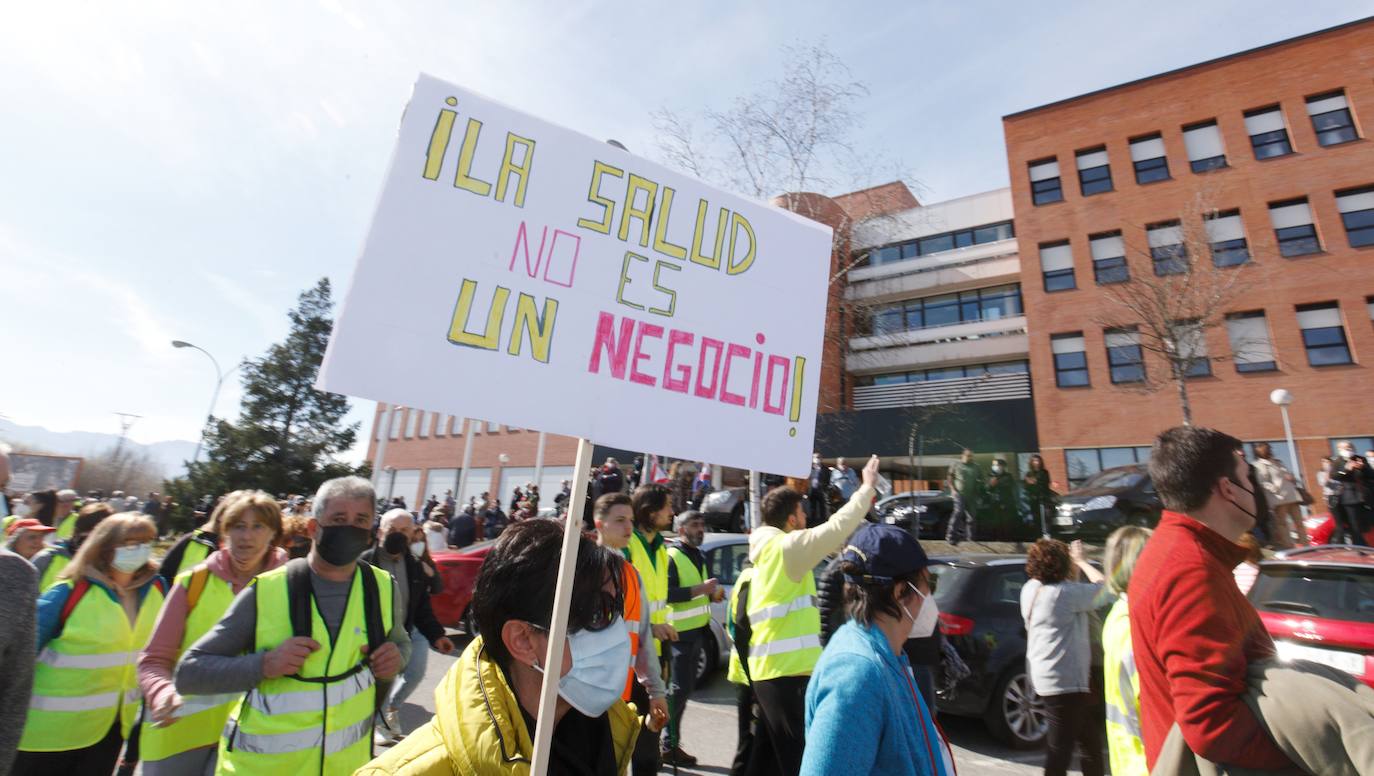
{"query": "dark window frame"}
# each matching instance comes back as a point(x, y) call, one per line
point(1300, 240)
point(1316, 332)
point(1047, 191)
point(960, 302)
point(1121, 271)
point(1094, 180)
point(911, 249)
point(1122, 359)
point(1053, 277)
point(1078, 367)
point(1252, 366)
point(1145, 170)
point(1342, 120)
point(1224, 253)
point(1170, 259)
point(1021, 366)
point(1277, 138)
point(1363, 221)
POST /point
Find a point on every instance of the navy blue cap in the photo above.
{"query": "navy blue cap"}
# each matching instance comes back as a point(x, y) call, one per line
point(884, 552)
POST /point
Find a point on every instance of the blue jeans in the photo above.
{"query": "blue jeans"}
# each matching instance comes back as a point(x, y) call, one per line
point(681, 679)
point(414, 671)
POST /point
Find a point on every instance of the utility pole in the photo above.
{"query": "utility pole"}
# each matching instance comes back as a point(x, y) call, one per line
point(126, 420)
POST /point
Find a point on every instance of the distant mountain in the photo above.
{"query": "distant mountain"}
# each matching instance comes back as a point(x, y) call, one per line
point(172, 454)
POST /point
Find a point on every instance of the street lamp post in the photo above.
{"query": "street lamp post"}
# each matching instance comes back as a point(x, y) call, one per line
point(214, 398)
point(1283, 398)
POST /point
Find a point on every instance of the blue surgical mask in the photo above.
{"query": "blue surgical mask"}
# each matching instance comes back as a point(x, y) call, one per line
point(601, 660)
point(131, 559)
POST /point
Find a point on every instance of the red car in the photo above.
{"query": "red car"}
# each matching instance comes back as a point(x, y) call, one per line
point(459, 571)
point(1318, 604)
point(1321, 526)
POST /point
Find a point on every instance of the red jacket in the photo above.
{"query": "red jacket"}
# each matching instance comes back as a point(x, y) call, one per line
point(1193, 634)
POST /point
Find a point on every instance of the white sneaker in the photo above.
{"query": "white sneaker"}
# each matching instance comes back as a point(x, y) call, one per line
point(392, 717)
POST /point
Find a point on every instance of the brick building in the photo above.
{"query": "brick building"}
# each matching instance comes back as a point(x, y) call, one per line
point(1106, 187)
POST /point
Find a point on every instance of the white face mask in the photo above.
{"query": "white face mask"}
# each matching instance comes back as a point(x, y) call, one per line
point(601, 659)
point(131, 559)
point(996, 468)
point(417, 548)
point(923, 624)
point(437, 542)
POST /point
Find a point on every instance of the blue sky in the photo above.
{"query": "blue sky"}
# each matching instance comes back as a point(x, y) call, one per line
point(175, 170)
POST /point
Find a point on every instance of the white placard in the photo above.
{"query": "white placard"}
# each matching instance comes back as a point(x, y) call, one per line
point(547, 280)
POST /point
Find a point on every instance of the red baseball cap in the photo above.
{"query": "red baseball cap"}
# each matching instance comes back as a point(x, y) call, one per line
point(27, 524)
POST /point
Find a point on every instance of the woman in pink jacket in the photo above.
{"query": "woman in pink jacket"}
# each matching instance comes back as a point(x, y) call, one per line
point(180, 733)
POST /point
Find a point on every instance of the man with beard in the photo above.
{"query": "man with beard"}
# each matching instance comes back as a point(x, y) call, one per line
point(308, 709)
point(690, 594)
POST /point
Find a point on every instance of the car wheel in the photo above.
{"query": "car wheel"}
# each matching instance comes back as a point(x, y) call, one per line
point(705, 661)
point(1016, 715)
point(737, 519)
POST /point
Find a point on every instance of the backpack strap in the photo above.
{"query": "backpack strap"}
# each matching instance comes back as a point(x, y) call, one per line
point(79, 588)
point(299, 596)
point(199, 576)
point(372, 607)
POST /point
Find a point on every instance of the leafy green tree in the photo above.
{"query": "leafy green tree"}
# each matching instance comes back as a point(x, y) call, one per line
point(288, 433)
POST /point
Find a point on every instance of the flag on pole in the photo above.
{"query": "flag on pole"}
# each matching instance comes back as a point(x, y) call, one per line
point(656, 473)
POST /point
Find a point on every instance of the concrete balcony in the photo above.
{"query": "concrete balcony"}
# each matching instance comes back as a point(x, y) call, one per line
point(971, 267)
point(999, 339)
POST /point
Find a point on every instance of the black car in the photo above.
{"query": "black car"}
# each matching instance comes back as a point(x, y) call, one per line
point(930, 508)
point(1105, 502)
point(980, 615)
point(724, 510)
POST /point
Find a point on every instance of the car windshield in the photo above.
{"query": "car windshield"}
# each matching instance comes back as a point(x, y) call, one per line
point(1120, 479)
point(1331, 593)
point(950, 582)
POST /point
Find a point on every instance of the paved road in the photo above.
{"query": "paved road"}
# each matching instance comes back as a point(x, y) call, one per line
point(709, 729)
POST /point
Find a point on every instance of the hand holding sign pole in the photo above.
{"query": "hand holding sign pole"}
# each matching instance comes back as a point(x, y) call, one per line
point(570, 287)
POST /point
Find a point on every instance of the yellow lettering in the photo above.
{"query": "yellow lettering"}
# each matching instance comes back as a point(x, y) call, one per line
point(463, 179)
point(509, 168)
point(607, 205)
point(625, 279)
point(489, 339)
point(736, 222)
point(661, 243)
point(697, 256)
point(658, 286)
point(438, 141)
point(536, 327)
point(633, 210)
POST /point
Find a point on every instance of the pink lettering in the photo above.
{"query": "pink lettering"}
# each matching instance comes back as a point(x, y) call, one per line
point(735, 351)
point(554, 258)
point(768, 405)
point(522, 239)
point(683, 382)
point(701, 390)
point(645, 330)
point(605, 339)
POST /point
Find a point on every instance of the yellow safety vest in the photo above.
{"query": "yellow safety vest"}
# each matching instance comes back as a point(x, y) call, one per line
point(1121, 686)
point(67, 528)
point(695, 612)
point(654, 573)
point(785, 625)
point(735, 671)
point(60, 559)
point(201, 718)
point(289, 724)
point(195, 552)
point(88, 676)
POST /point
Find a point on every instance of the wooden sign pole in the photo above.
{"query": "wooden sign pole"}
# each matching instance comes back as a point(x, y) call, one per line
point(562, 600)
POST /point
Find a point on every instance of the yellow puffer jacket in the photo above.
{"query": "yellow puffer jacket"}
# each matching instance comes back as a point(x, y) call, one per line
point(477, 729)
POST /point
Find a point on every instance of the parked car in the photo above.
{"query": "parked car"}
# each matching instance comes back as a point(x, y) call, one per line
point(1105, 502)
point(980, 615)
point(1318, 604)
point(726, 556)
point(458, 568)
point(928, 508)
point(726, 510)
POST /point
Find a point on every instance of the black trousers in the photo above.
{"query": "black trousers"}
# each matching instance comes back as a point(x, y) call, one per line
point(1075, 721)
point(98, 759)
point(747, 723)
point(1350, 521)
point(781, 739)
point(682, 675)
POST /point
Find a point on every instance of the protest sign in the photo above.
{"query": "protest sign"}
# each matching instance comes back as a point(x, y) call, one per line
point(523, 273)
point(36, 471)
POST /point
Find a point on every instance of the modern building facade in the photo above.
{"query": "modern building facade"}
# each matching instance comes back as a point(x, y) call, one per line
point(1256, 163)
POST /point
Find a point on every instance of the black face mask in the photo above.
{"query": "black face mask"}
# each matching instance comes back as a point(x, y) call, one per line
point(1252, 515)
point(298, 549)
point(395, 543)
point(340, 545)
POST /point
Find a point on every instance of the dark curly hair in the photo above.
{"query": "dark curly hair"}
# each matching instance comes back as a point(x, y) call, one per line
point(1048, 561)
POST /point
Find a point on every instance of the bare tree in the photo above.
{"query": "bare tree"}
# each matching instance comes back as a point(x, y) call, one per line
point(135, 472)
point(1182, 284)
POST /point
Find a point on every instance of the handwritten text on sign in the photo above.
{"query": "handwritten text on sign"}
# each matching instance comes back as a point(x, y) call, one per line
point(518, 272)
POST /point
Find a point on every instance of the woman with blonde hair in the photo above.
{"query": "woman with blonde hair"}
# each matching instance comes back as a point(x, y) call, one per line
point(180, 733)
point(91, 625)
point(1120, 684)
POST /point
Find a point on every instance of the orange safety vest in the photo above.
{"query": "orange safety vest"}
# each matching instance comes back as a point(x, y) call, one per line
point(633, 616)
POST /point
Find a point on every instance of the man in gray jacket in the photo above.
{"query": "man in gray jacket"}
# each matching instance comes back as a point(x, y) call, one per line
point(20, 583)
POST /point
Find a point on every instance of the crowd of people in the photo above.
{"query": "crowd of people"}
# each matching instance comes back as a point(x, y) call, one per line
point(283, 634)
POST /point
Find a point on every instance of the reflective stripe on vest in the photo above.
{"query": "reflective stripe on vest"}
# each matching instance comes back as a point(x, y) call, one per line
point(695, 612)
point(1121, 690)
point(87, 677)
point(784, 623)
point(286, 725)
point(200, 719)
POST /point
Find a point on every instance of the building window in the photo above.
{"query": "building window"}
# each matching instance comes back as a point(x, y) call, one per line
point(1070, 360)
point(1331, 118)
point(1360, 442)
point(1203, 142)
point(944, 373)
point(1357, 213)
point(979, 304)
point(1226, 234)
point(1085, 462)
point(1056, 263)
point(422, 428)
point(1167, 250)
point(1191, 346)
point(1369, 305)
point(412, 419)
point(1147, 156)
point(1251, 348)
point(1268, 135)
point(493, 428)
point(1045, 186)
point(1124, 356)
point(938, 243)
point(1109, 258)
point(1323, 334)
point(397, 420)
point(1094, 174)
point(1293, 227)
